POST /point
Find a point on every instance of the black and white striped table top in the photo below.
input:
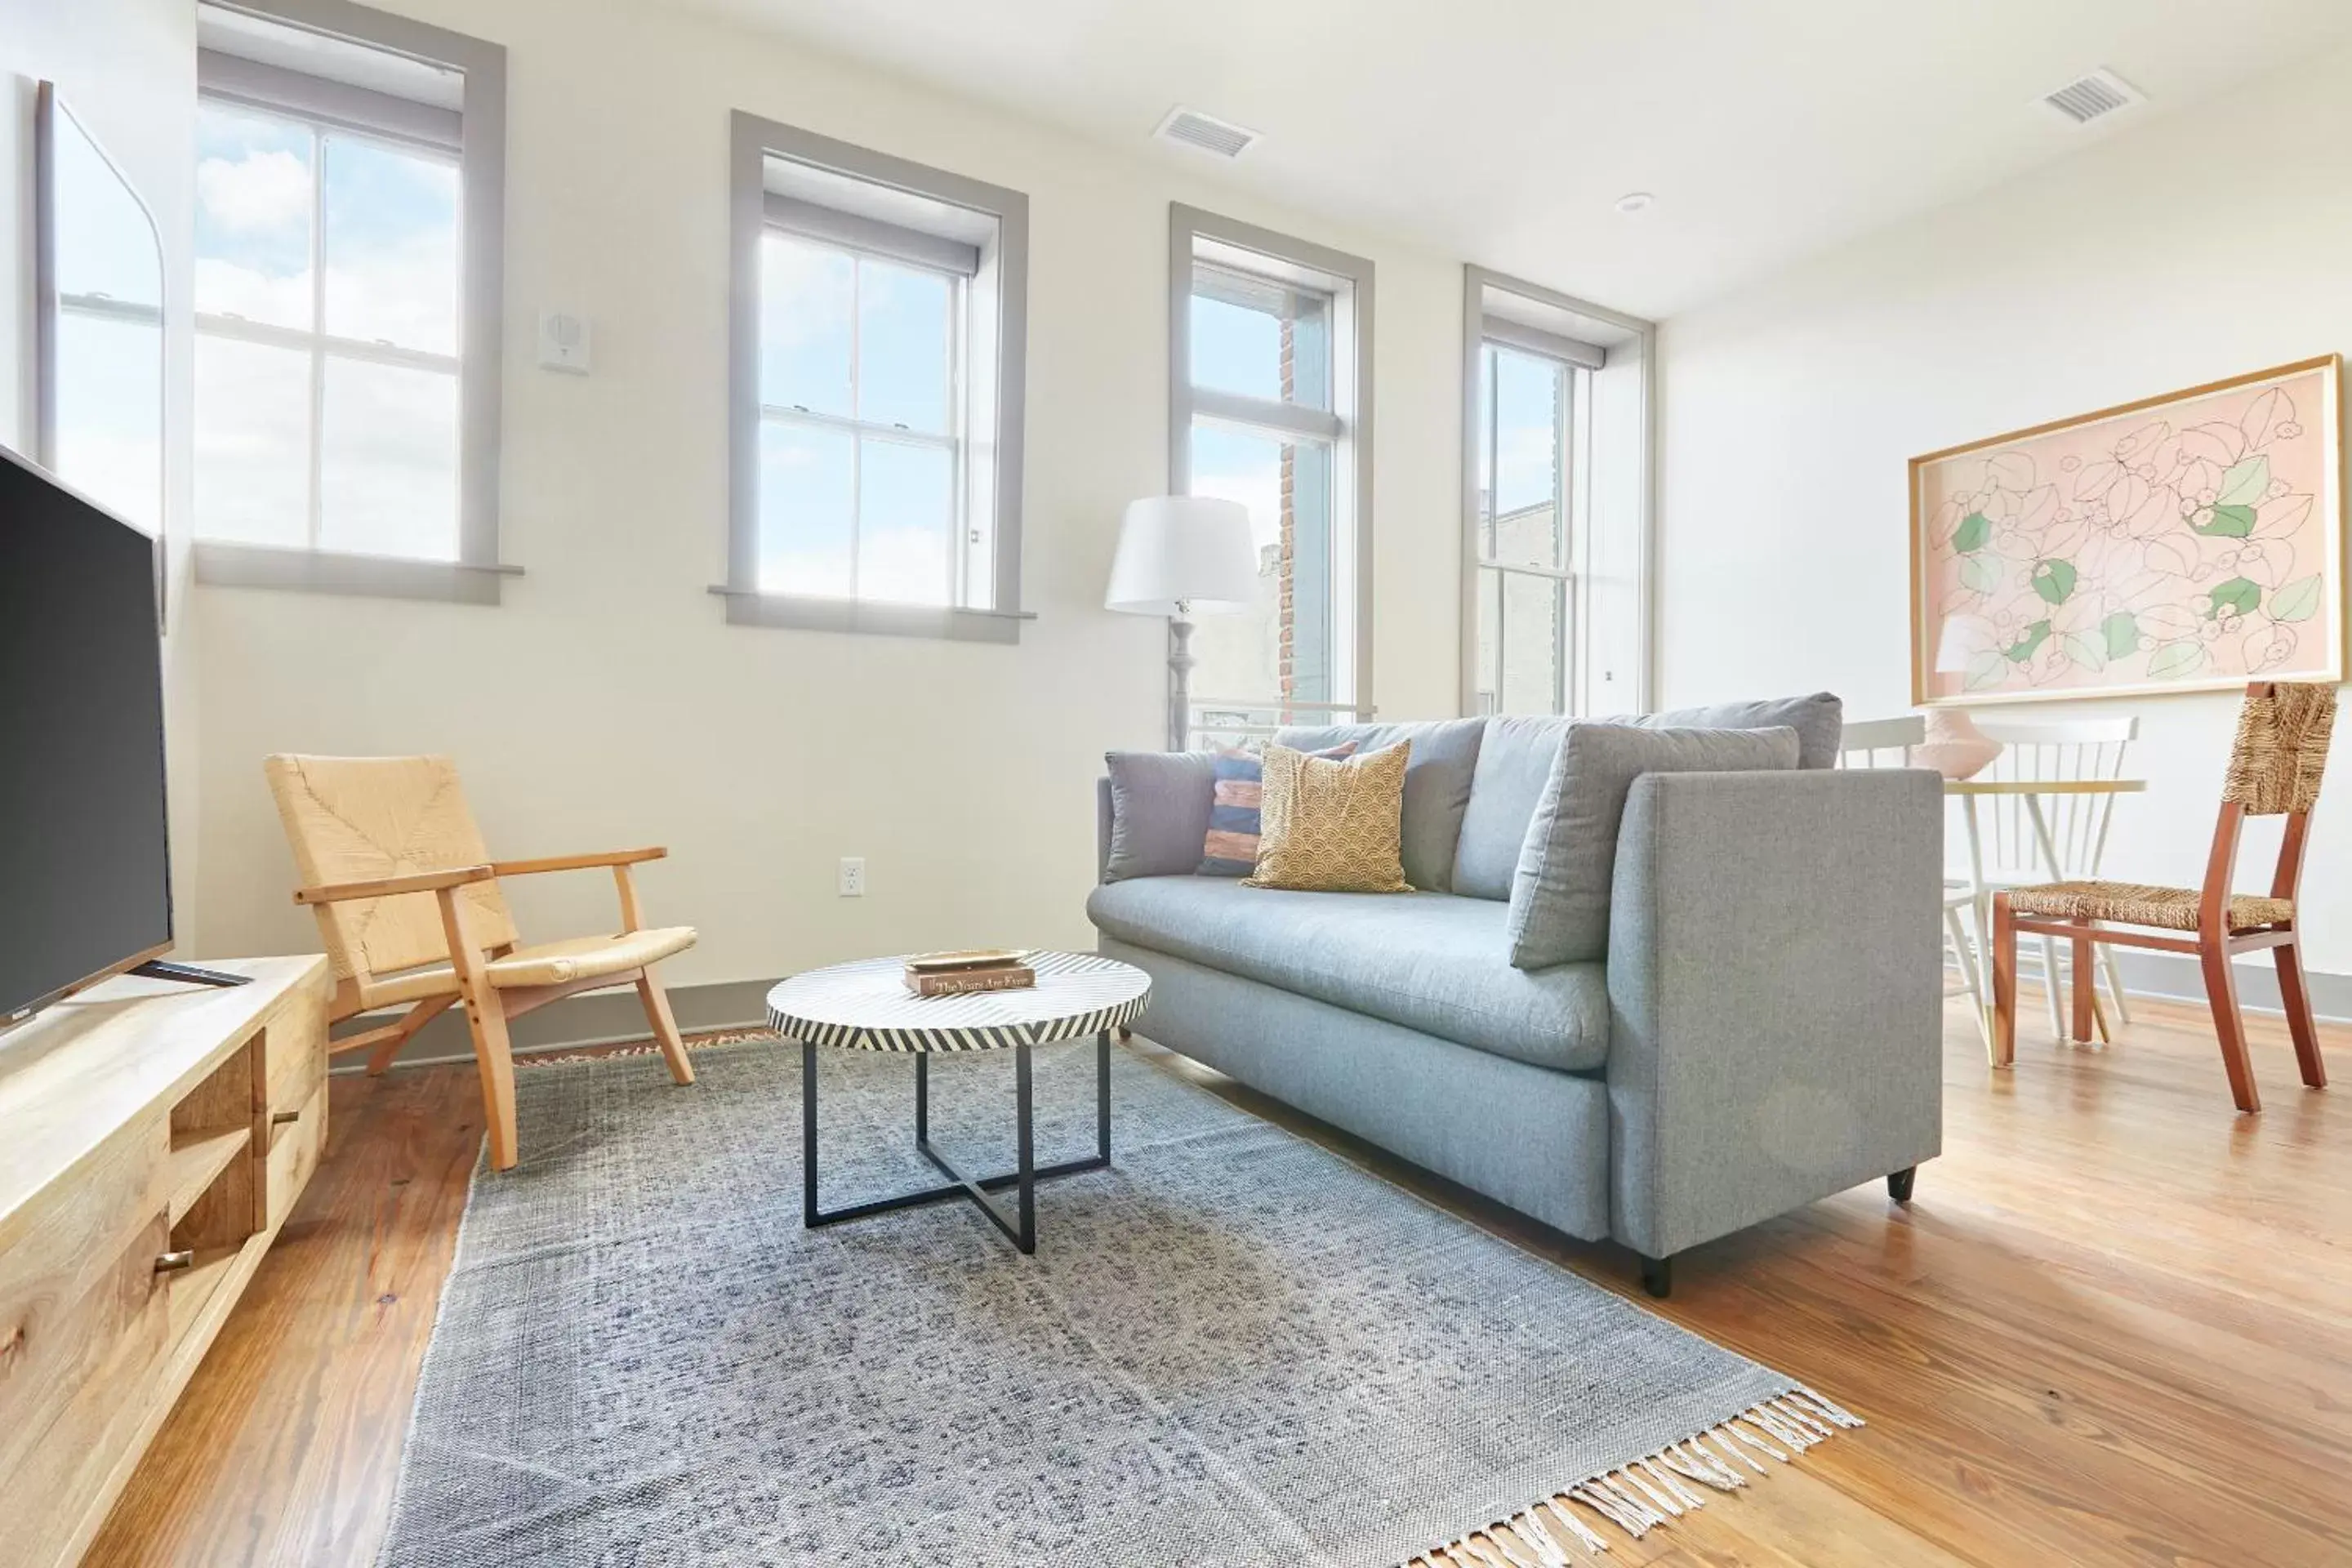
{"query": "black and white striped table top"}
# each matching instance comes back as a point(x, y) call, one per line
point(866, 1006)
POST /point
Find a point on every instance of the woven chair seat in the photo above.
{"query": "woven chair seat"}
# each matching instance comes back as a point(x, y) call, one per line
point(2136, 903)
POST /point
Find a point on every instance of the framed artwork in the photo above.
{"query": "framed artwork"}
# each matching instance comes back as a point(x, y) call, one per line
point(2187, 542)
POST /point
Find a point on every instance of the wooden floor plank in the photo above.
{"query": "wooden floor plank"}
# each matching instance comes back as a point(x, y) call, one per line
point(2115, 1327)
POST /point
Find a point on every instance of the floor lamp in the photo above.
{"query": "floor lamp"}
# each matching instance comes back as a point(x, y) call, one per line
point(1180, 556)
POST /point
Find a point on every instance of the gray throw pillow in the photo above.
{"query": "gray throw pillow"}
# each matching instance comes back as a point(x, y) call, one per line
point(1159, 812)
point(1818, 719)
point(1559, 897)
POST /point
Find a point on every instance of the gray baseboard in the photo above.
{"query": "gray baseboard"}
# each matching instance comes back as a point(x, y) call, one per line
point(595, 1018)
point(2176, 977)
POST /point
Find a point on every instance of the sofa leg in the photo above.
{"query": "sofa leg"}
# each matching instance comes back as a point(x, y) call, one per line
point(1658, 1276)
point(1898, 1183)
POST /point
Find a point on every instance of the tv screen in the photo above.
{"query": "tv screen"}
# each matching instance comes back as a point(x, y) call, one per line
point(85, 876)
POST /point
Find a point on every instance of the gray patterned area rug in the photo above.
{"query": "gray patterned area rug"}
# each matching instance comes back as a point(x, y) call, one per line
point(1233, 1349)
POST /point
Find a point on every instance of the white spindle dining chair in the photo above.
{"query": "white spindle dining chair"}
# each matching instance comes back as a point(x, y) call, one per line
point(2001, 837)
point(1887, 743)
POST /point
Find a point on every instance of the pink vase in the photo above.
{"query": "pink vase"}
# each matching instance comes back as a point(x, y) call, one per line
point(1955, 747)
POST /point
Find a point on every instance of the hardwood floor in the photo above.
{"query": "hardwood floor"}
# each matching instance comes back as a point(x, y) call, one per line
point(2116, 1326)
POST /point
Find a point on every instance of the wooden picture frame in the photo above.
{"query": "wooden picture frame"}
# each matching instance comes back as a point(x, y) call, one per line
point(2190, 542)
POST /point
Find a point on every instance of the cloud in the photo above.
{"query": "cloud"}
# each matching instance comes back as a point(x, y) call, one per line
point(260, 192)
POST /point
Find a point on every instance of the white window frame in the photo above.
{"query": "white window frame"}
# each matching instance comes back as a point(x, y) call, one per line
point(1588, 339)
point(1194, 237)
point(473, 135)
point(990, 413)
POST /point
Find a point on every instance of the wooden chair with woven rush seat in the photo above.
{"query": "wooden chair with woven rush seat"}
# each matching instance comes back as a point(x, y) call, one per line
point(2274, 769)
point(408, 902)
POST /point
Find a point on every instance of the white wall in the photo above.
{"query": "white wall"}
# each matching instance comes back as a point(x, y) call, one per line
point(2189, 248)
point(128, 68)
point(605, 703)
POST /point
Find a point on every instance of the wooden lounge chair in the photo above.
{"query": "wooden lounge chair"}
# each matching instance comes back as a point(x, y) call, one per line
point(408, 901)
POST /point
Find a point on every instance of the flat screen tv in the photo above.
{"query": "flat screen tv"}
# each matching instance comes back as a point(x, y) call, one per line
point(85, 871)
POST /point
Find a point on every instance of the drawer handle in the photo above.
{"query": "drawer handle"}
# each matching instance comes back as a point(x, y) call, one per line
point(173, 1262)
point(280, 1119)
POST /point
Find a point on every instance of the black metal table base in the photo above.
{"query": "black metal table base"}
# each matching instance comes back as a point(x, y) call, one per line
point(1020, 1222)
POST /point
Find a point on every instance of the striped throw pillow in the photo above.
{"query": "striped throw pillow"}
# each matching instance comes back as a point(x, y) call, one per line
point(1230, 848)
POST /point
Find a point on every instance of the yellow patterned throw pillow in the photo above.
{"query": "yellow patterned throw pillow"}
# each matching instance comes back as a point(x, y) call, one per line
point(1332, 826)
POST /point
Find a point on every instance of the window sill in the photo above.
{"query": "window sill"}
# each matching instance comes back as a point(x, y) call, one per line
point(324, 571)
point(748, 607)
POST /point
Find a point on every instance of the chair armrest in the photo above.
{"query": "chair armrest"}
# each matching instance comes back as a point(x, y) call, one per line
point(393, 887)
point(1776, 994)
point(576, 862)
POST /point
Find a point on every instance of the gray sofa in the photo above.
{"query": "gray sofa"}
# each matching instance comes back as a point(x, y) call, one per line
point(1763, 1030)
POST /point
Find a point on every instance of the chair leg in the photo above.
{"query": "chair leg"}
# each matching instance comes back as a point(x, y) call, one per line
point(2115, 984)
point(2004, 983)
point(2086, 981)
point(2050, 986)
point(380, 1059)
point(2295, 995)
point(495, 1056)
point(1961, 954)
point(657, 1014)
point(2222, 993)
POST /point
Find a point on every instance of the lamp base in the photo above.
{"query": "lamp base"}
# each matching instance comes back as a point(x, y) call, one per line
point(1180, 683)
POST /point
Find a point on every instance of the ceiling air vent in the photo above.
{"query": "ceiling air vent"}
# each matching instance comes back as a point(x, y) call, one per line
point(1220, 137)
point(2093, 97)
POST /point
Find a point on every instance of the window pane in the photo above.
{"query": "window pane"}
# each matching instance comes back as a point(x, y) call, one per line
point(388, 461)
point(1283, 645)
point(807, 536)
point(1260, 339)
point(1487, 695)
point(1527, 462)
point(253, 217)
point(391, 245)
point(109, 412)
point(805, 293)
point(906, 524)
point(1530, 643)
point(902, 346)
point(252, 443)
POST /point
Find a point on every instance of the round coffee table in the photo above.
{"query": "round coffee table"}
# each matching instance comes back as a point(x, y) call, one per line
point(866, 1006)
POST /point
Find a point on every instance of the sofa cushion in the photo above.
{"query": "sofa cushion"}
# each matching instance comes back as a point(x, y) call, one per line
point(1332, 824)
point(1159, 805)
point(1818, 719)
point(1430, 961)
point(1559, 897)
point(1436, 785)
point(1515, 763)
point(1235, 810)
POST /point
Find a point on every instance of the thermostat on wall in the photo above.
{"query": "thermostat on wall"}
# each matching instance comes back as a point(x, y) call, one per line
point(563, 342)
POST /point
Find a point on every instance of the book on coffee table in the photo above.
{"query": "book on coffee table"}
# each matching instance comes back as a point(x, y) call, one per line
point(971, 970)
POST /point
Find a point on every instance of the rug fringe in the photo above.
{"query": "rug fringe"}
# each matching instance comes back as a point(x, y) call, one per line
point(1651, 1492)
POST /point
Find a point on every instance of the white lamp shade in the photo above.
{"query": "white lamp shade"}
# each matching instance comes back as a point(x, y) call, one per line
point(1179, 554)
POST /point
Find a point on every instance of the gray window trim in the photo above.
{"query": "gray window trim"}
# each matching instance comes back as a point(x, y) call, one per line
point(754, 141)
point(1476, 320)
point(872, 236)
point(275, 89)
point(1187, 225)
point(476, 575)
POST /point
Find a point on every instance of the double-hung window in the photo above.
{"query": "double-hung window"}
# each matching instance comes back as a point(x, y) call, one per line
point(346, 294)
point(1556, 482)
point(879, 393)
point(1271, 406)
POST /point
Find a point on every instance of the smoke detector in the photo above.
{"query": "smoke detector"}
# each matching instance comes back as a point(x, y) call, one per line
point(1206, 134)
point(2093, 97)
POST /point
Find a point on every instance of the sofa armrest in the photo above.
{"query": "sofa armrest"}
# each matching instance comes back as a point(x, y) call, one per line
point(1776, 994)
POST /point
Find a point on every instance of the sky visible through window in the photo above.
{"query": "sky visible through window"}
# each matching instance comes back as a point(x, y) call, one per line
point(387, 433)
point(864, 508)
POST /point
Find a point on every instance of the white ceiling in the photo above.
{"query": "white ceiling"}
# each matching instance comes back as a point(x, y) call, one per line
point(1502, 131)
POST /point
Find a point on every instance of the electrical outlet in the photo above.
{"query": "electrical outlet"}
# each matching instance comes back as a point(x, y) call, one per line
point(852, 876)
